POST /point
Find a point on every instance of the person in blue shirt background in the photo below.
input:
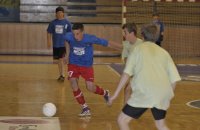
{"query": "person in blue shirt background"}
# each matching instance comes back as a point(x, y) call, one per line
point(55, 33)
point(81, 63)
point(159, 23)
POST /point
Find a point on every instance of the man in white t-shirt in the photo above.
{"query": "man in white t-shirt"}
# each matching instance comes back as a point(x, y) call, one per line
point(153, 83)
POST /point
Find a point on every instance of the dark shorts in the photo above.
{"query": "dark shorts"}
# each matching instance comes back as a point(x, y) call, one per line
point(59, 52)
point(136, 112)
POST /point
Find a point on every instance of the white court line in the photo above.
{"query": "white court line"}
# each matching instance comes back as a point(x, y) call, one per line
point(188, 64)
point(29, 123)
point(193, 76)
point(102, 63)
point(60, 103)
point(191, 79)
point(111, 69)
point(188, 104)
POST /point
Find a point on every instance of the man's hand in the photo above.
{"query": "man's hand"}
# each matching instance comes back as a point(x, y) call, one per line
point(110, 101)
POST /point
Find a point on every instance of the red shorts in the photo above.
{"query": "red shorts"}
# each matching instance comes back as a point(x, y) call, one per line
point(74, 71)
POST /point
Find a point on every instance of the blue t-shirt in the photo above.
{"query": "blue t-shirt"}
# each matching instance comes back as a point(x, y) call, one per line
point(161, 27)
point(81, 52)
point(58, 28)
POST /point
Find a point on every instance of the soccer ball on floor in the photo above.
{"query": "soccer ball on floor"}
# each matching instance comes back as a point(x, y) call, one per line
point(49, 109)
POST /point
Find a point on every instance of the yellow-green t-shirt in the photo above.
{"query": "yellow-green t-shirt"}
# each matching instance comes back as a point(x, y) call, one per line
point(127, 47)
point(153, 72)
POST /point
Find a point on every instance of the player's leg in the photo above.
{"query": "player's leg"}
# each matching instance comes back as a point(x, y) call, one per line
point(123, 121)
point(159, 116)
point(56, 60)
point(61, 63)
point(79, 97)
point(61, 68)
point(97, 90)
point(161, 125)
point(128, 113)
point(73, 76)
point(88, 74)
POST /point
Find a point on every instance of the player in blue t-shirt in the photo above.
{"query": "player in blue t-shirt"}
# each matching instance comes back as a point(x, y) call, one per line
point(81, 63)
point(55, 33)
point(159, 23)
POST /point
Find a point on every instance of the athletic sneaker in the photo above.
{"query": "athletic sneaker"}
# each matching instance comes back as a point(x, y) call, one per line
point(106, 96)
point(61, 78)
point(85, 112)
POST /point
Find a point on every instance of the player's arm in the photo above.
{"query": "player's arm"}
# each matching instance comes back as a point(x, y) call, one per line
point(104, 42)
point(115, 45)
point(124, 78)
point(174, 85)
point(125, 60)
point(49, 39)
point(67, 50)
point(162, 31)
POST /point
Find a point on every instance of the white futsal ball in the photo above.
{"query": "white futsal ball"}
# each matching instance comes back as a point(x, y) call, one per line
point(49, 109)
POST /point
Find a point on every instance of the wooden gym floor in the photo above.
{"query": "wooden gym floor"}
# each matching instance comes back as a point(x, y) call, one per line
point(27, 82)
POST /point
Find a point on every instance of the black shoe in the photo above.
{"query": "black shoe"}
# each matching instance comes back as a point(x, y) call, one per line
point(106, 96)
point(61, 79)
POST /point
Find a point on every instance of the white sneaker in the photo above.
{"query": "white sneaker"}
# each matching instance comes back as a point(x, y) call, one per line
point(85, 112)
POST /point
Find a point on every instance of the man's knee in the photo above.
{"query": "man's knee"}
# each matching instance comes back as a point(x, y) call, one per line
point(123, 119)
point(90, 86)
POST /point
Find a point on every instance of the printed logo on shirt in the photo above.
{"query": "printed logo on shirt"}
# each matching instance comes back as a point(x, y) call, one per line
point(59, 29)
point(66, 26)
point(79, 51)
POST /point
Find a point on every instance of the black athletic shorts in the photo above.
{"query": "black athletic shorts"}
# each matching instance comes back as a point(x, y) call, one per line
point(136, 112)
point(59, 52)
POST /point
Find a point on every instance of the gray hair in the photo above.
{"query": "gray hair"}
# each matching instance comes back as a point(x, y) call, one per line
point(150, 32)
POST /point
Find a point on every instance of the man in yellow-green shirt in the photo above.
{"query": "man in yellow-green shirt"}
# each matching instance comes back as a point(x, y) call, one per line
point(155, 76)
point(131, 41)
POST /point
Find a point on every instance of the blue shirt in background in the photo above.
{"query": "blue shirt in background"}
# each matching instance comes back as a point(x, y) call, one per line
point(161, 28)
point(58, 28)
